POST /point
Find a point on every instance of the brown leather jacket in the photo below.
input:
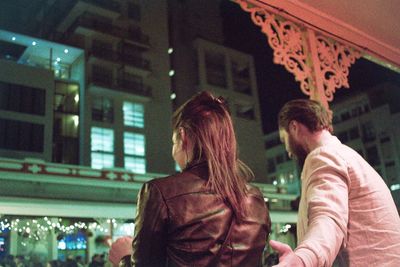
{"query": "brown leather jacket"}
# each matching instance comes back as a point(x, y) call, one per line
point(181, 223)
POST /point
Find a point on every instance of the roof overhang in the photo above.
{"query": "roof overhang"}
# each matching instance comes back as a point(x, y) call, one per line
point(370, 26)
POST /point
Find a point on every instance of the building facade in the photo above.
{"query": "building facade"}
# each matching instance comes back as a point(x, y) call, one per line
point(85, 120)
point(199, 61)
point(85, 117)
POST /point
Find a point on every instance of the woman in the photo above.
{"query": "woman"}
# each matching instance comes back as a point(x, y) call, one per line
point(207, 215)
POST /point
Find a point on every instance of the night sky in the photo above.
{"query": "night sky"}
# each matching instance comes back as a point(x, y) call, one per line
point(276, 85)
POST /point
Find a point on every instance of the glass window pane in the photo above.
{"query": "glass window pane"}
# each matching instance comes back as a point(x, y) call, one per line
point(102, 139)
point(135, 164)
point(133, 114)
point(102, 109)
point(134, 144)
point(102, 160)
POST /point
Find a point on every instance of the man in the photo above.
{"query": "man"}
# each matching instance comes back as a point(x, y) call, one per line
point(346, 212)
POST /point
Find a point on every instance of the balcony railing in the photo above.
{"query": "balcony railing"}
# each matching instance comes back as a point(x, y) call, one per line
point(121, 84)
point(134, 87)
point(99, 24)
point(135, 61)
point(123, 58)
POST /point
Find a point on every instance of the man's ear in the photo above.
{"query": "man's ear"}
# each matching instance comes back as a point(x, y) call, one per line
point(293, 126)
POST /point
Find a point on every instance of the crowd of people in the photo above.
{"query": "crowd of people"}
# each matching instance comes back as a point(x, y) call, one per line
point(97, 260)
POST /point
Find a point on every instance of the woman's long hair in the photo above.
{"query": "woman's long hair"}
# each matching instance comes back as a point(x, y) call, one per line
point(208, 126)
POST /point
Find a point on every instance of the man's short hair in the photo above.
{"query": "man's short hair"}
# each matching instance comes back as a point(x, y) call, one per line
point(310, 113)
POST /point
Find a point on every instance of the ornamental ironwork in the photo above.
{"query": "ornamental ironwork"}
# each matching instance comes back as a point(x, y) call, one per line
point(319, 63)
point(334, 62)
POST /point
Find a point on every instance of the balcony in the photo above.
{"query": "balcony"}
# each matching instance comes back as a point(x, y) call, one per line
point(90, 24)
point(132, 63)
point(109, 9)
point(134, 87)
point(125, 85)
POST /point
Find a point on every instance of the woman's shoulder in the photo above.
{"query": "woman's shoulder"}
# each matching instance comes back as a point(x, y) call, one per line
point(253, 190)
point(178, 184)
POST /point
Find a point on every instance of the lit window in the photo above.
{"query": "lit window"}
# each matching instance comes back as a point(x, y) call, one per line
point(133, 114)
point(136, 164)
point(102, 160)
point(177, 168)
point(134, 150)
point(102, 147)
point(134, 144)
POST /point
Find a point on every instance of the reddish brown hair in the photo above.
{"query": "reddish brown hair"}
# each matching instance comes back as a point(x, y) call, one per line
point(208, 125)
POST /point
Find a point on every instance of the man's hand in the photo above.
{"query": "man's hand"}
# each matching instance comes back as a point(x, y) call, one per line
point(120, 248)
point(287, 258)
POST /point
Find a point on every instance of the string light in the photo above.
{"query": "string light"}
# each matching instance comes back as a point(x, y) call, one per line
point(39, 228)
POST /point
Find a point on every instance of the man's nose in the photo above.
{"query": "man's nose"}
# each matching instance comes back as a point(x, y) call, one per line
point(290, 155)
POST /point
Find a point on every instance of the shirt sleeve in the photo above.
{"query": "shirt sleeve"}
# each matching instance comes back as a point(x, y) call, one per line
point(326, 184)
point(150, 240)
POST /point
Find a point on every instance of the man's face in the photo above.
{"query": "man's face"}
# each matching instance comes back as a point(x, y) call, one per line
point(293, 146)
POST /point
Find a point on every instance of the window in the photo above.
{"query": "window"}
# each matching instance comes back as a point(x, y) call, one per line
point(345, 116)
point(102, 109)
point(133, 114)
point(354, 133)
point(102, 76)
point(391, 172)
point(134, 144)
point(102, 147)
point(372, 156)
point(65, 138)
point(102, 49)
point(177, 168)
point(134, 150)
point(215, 69)
point(22, 136)
point(24, 99)
point(136, 164)
point(386, 148)
point(134, 11)
point(368, 132)
point(66, 97)
point(241, 77)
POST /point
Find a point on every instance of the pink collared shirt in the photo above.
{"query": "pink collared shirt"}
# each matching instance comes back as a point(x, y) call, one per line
point(346, 212)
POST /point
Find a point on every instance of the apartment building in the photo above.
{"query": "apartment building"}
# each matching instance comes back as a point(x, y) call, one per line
point(85, 120)
point(85, 115)
point(369, 123)
point(200, 61)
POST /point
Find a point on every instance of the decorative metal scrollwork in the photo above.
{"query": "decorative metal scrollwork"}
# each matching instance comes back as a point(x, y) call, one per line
point(335, 60)
point(286, 39)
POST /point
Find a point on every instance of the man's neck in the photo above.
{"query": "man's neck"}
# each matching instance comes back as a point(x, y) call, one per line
point(317, 139)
